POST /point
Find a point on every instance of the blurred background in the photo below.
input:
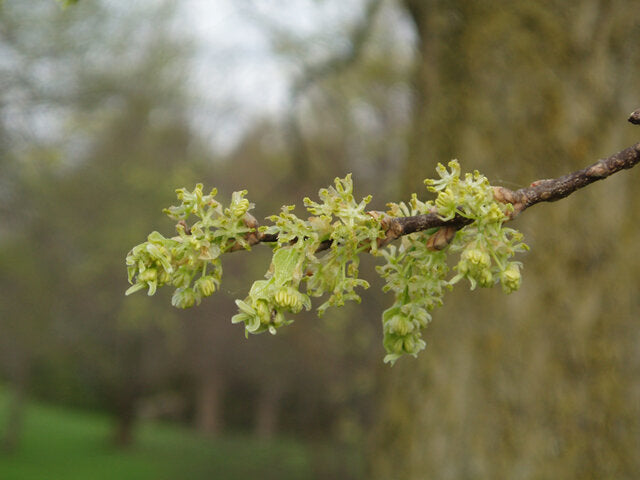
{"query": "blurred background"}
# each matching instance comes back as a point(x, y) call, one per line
point(108, 106)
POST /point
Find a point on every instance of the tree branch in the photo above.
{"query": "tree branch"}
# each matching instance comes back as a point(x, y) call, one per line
point(548, 190)
point(557, 188)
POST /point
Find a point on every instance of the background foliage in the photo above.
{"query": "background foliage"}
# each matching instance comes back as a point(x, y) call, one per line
point(97, 129)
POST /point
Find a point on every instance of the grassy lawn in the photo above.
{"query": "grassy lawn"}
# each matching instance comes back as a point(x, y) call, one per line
point(64, 444)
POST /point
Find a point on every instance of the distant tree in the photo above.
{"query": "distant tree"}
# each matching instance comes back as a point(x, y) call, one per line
point(116, 139)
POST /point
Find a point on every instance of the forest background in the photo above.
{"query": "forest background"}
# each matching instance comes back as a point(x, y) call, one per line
point(108, 106)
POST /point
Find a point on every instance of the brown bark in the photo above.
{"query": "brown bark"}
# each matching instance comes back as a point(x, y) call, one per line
point(555, 189)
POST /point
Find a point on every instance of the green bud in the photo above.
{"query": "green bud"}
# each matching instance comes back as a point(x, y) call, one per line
point(184, 298)
point(511, 278)
point(182, 277)
point(494, 214)
point(149, 275)
point(164, 277)
point(278, 319)
point(283, 298)
point(291, 299)
point(400, 325)
point(396, 346)
point(205, 285)
point(477, 257)
point(409, 344)
point(463, 267)
point(263, 311)
point(240, 208)
point(485, 279)
point(447, 204)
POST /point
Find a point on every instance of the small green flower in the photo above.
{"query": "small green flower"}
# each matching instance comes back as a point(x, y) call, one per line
point(485, 278)
point(182, 277)
point(477, 258)
point(205, 285)
point(409, 344)
point(287, 298)
point(184, 298)
point(239, 205)
point(399, 325)
point(511, 278)
point(149, 275)
point(263, 310)
point(494, 214)
point(163, 278)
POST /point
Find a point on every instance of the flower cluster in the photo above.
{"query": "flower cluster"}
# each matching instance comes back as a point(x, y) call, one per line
point(486, 245)
point(417, 274)
point(190, 261)
point(150, 264)
point(338, 221)
point(417, 277)
point(323, 252)
point(350, 230)
point(269, 299)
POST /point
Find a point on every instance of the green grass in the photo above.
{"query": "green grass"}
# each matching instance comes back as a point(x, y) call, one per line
point(65, 444)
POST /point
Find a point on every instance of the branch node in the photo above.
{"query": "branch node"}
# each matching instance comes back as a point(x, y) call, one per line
point(442, 238)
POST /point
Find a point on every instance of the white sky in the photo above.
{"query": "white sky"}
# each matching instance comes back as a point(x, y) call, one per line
point(236, 60)
point(237, 69)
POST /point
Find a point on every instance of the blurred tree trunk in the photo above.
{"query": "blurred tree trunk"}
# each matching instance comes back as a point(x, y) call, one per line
point(268, 409)
point(543, 383)
point(209, 403)
point(18, 386)
point(125, 409)
point(422, 86)
point(440, 29)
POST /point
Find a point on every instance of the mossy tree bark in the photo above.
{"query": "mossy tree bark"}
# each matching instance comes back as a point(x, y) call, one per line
point(543, 383)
